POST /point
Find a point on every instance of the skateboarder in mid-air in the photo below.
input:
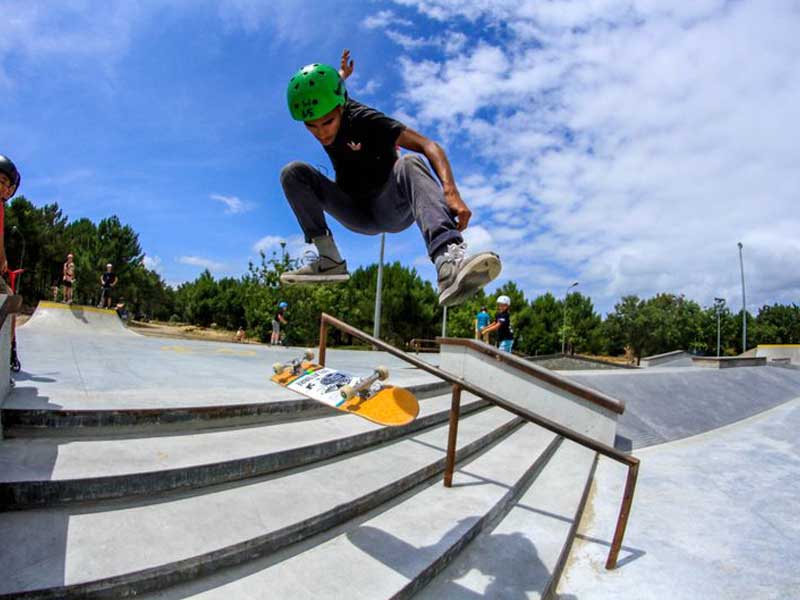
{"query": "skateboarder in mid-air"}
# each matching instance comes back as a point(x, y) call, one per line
point(375, 191)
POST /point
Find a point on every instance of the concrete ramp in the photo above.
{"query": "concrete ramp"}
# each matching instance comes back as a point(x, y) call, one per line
point(779, 352)
point(672, 403)
point(70, 319)
point(676, 358)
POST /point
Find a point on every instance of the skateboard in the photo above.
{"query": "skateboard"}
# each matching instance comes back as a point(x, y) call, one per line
point(366, 397)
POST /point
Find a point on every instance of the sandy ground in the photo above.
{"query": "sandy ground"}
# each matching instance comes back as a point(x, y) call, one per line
point(185, 332)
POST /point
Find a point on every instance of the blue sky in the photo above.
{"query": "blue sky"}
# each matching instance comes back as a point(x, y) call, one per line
point(626, 144)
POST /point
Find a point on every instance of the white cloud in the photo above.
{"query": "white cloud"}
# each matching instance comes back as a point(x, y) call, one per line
point(383, 19)
point(98, 34)
point(206, 263)
point(478, 239)
point(628, 144)
point(358, 88)
point(151, 262)
point(295, 245)
point(234, 205)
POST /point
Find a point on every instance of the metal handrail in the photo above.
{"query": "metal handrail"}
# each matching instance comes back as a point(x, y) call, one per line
point(416, 344)
point(460, 384)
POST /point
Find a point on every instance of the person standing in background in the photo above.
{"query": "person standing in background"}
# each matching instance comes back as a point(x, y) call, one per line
point(482, 320)
point(9, 184)
point(68, 278)
point(107, 280)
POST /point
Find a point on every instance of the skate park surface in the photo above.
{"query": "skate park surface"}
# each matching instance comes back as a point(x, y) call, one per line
point(84, 358)
point(110, 472)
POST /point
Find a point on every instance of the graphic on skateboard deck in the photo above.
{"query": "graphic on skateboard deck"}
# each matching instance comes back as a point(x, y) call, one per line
point(363, 396)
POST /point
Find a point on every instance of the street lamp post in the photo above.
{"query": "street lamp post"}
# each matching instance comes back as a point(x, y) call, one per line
point(564, 326)
point(376, 327)
point(718, 304)
point(744, 302)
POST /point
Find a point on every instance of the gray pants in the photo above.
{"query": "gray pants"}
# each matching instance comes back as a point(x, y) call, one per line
point(411, 194)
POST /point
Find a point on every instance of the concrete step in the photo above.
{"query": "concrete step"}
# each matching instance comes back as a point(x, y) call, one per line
point(23, 418)
point(394, 553)
point(115, 548)
point(44, 472)
point(524, 554)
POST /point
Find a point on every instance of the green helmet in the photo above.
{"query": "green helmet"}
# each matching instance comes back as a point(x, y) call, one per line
point(314, 91)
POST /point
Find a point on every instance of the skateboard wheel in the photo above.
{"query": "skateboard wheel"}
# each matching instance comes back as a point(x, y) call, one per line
point(308, 354)
point(383, 373)
point(278, 367)
point(346, 392)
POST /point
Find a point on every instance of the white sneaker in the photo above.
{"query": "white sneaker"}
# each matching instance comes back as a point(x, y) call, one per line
point(461, 276)
point(317, 269)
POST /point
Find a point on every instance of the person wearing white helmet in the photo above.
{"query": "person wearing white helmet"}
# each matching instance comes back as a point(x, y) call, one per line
point(502, 324)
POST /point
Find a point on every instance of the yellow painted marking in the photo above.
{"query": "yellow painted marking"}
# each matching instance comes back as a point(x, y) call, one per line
point(236, 352)
point(75, 307)
point(191, 350)
point(778, 346)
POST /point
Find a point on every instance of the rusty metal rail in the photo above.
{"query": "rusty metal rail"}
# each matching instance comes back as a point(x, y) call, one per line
point(424, 345)
point(459, 384)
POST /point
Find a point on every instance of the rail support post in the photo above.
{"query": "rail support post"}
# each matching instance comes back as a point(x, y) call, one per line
point(323, 339)
point(624, 513)
point(452, 435)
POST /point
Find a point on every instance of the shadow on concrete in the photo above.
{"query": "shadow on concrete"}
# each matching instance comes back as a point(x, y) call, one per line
point(25, 376)
point(509, 562)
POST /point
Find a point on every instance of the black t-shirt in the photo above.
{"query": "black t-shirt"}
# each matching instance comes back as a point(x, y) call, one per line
point(504, 332)
point(108, 278)
point(364, 150)
point(281, 313)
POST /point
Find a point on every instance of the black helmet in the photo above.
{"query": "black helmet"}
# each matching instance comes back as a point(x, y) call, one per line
point(8, 169)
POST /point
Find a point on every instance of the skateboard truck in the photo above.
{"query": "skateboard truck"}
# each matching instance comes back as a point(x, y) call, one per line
point(295, 365)
point(350, 391)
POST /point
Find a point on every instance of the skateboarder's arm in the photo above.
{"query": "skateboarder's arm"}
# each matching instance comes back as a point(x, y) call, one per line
point(490, 328)
point(347, 65)
point(411, 140)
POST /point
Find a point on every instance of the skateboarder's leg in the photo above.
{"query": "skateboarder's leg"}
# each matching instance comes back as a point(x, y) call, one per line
point(310, 195)
point(415, 192)
point(459, 276)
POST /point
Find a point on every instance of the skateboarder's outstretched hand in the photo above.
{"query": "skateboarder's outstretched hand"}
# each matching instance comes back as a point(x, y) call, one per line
point(347, 65)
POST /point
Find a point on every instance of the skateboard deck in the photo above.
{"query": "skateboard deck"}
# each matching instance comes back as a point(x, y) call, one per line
point(383, 404)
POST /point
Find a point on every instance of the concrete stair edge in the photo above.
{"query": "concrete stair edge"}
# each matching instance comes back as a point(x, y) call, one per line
point(24, 423)
point(169, 574)
point(350, 547)
point(549, 539)
point(21, 495)
point(493, 516)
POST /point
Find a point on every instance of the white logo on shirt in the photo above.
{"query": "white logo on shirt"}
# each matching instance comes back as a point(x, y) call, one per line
point(354, 146)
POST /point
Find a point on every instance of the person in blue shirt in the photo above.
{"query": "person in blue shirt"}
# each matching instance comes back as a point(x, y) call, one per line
point(280, 319)
point(482, 320)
